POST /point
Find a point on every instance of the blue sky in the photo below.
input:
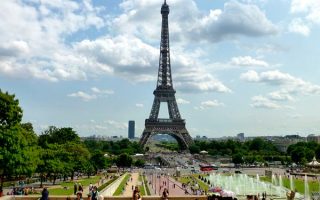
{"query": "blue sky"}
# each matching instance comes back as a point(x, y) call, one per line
point(238, 66)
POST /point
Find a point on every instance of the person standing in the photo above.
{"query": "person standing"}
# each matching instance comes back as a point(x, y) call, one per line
point(94, 193)
point(136, 194)
point(44, 194)
point(165, 194)
point(80, 188)
point(75, 188)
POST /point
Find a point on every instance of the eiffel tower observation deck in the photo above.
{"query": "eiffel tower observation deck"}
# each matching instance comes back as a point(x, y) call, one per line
point(164, 92)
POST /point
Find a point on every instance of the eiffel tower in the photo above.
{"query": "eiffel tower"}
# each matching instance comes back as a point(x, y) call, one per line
point(174, 126)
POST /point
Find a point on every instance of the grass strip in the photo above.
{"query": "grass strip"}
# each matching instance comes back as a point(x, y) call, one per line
point(67, 187)
point(146, 185)
point(101, 187)
point(298, 183)
point(141, 188)
point(121, 187)
point(204, 186)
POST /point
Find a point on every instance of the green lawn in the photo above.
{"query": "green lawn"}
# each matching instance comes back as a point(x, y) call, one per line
point(141, 188)
point(201, 184)
point(146, 185)
point(187, 179)
point(69, 185)
point(101, 187)
point(299, 184)
point(184, 179)
point(119, 190)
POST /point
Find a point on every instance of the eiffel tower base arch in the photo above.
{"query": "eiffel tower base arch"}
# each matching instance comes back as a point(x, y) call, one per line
point(175, 129)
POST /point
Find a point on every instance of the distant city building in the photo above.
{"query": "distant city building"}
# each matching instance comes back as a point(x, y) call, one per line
point(313, 138)
point(131, 129)
point(240, 137)
point(282, 143)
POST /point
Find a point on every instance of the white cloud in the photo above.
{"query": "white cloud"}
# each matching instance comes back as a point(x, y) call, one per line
point(99, 91)
point(288, 86)
point(251, 76)
point(182, 101)
point(280, 96)
point(236, 19)
point(187, 22)
point(117, 125)
point(310, 10)
point(262, 102)
point(139, 105)
point(299, 26)
point(213, 103)
point(83, 96)
point(131, 58)
point(34, 45)
point(209, 104)
point(95, 93)
point(248, 61)
point(286, 81)
point(309, 7)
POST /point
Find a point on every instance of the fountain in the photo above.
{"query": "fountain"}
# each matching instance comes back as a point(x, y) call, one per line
point(242, 185)
point(292, 188)
point(306, 188)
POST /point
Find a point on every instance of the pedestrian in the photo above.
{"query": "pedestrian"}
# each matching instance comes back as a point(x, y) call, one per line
point(79, 196)
point(94, 193)
point(165, 194)
point(136, 194)
point(44, 194)
point(75, 188)
point(90, 187)
point(80, 188)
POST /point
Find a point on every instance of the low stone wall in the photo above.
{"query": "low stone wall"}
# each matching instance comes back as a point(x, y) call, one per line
point(108, 198)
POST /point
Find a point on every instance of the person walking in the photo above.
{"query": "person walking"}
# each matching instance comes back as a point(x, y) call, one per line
point(80, 187)
point(165, 194)
point(136, 194)
point(94, 193)
point(79, 196)
point(44, 194)
point(75, 188)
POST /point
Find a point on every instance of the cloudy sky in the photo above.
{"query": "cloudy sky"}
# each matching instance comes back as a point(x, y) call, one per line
point(238, 66)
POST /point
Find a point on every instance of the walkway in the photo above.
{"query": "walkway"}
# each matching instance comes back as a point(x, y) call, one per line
point(158, 183)
point(133, 181)
point(110, 189)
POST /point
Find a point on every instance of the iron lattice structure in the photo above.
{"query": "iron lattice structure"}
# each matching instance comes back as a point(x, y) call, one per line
point(164, 92)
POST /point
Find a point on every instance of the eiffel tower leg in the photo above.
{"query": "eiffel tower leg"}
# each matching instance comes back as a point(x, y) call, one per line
point(173, 109)
point(155, 109)
point(186, 137)
point(145, 137)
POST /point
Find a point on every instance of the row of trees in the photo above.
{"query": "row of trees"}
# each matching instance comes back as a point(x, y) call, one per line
point(253, 151)
point(303, 152)
point(57, 152)
point(258, 150)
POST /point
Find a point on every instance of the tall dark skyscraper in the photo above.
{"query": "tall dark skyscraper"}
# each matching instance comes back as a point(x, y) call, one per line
point(131, 129)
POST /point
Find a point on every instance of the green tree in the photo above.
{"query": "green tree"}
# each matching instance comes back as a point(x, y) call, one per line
point(18, 152)
point(124, 160)
point(237, 158)
point(98, 161)
point(194, 149)
point(139, 163)
point(10, 111)
point(298, 154)
point(317, 152)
